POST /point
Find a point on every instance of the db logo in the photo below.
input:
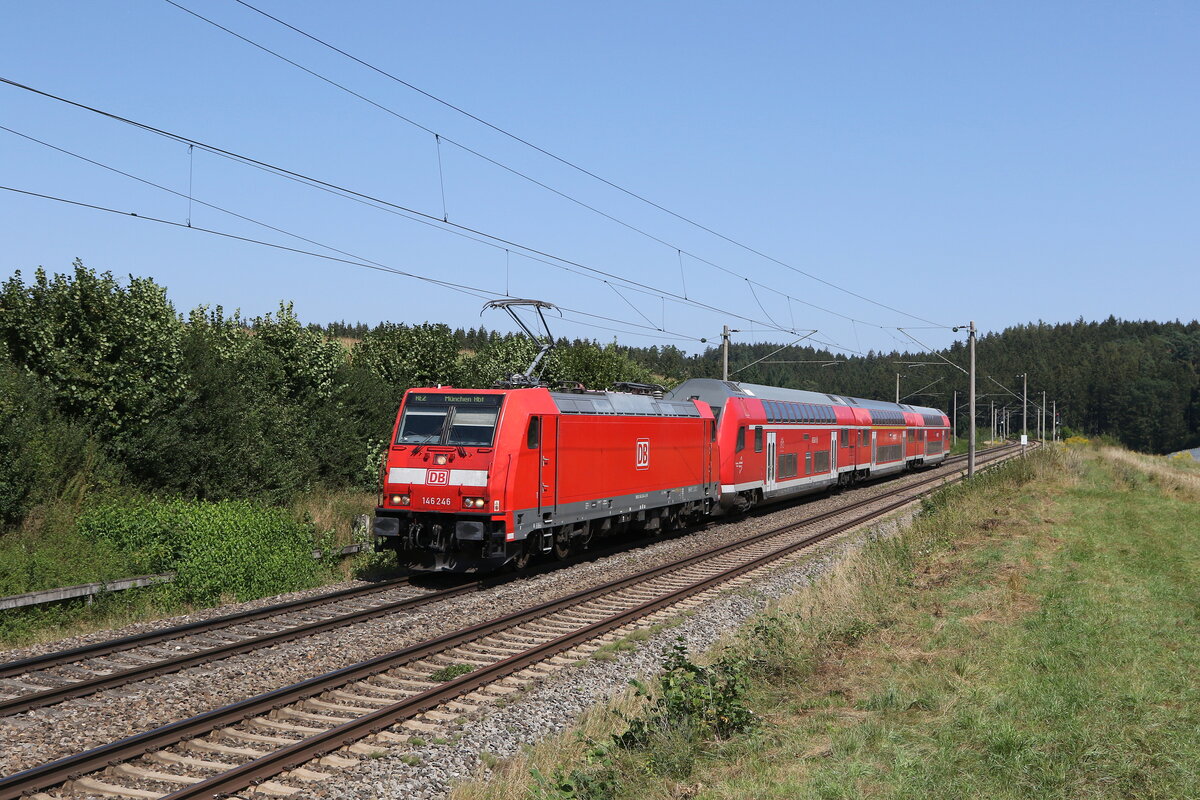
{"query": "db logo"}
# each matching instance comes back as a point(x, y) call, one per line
point(643, 454)
point(437, 477)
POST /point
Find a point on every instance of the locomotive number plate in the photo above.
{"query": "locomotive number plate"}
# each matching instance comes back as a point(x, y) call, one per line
point(436, 501)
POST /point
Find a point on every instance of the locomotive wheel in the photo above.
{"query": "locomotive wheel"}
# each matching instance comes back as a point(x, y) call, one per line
point(562, 544)
point(522, 559)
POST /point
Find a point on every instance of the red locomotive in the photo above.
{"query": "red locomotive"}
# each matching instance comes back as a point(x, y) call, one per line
point(479, 478)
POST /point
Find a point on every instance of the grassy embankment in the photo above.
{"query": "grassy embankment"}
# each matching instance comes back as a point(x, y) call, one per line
point(1035, 637)
point(239, 552)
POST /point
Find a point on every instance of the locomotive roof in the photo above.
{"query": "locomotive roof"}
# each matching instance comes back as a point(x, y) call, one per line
point(716, 392)
point(623, 403)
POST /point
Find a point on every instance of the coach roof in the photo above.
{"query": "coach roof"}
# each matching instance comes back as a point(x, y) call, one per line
point(716, 392)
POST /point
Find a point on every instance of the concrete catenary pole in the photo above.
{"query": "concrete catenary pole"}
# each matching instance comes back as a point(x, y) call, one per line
point(971, 446)
point(725, 358)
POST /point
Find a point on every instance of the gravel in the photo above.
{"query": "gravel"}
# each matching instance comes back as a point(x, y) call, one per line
point(49, 733)
point(553, 704)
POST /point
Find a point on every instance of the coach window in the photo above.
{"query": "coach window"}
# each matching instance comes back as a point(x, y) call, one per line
point(758, 438)
point(741, 439)
point(845, 437)
point(534, 434)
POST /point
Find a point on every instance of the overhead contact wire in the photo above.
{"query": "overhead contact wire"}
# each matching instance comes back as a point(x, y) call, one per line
point(535, 181)
point(575, 166)
point(371, 200)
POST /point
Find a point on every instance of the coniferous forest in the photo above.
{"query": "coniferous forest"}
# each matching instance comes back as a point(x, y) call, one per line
point(105, 384)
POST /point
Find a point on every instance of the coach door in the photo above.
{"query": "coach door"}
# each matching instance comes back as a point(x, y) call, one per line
point(548, 468)
point(770, 482)
point(833, 448)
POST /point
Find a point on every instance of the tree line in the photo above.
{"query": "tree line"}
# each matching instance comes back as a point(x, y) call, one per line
point(103, 383)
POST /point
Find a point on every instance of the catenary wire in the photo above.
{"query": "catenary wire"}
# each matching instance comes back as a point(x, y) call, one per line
point(571, 164)
point(473, 291)
point(384, 204)
point(443, 138)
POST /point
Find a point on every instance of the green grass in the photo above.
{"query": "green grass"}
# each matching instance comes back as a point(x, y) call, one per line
point(1059, 662)
point(1034, 636)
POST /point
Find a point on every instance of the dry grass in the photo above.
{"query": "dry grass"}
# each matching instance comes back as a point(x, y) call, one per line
point(1171, 475)
point(334, 509)
point(510, 779)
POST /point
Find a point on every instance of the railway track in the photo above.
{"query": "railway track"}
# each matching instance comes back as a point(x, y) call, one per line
point(51, 678)
point(269, 741)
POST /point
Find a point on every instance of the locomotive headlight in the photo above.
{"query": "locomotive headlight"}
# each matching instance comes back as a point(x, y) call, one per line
point(439, 459)
point(400, 499)
point(473, 502)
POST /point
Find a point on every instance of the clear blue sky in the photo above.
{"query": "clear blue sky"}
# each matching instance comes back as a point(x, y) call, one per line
point(1003, 162)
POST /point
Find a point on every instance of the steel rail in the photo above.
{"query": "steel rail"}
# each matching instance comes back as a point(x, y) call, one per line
point(90, 686)
point(61, 770)
point(295, 755)
point(51, 696)
point(98, 649)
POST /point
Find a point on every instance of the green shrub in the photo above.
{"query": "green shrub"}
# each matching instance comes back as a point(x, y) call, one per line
point(230, 548)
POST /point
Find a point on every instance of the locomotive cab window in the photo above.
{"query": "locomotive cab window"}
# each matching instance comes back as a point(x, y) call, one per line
point(741, 439)
point(534, 435)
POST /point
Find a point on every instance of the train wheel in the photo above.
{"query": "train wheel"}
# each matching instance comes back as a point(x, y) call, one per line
point(562, 543)
point(522, 559)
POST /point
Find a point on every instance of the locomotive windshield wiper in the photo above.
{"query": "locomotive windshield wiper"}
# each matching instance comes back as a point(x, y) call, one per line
point(440, 433)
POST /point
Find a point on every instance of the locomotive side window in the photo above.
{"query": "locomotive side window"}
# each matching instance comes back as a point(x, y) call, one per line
point(758, 439)
point(534, 435)
point(741, 439)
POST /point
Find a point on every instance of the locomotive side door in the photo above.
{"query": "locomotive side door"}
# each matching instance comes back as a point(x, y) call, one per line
point(548, 467)
point(770, 482)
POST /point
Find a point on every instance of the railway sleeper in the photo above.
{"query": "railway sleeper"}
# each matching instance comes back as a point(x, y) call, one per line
point(387, 691)
point(350, 697)
point(167, 757)
point(86, 785)
point(206, 746)
point(470, 657)
point(420, 726)
point(307, 775)
point(257, 738)
point(492, 648)
point(440, 716)
point(337, 708)
point(365, 749)
point(408, 675)
point(143, 774)
point(278, 725)
point(329, 722)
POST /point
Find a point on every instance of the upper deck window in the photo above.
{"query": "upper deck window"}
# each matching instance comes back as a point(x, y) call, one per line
point(448, 419)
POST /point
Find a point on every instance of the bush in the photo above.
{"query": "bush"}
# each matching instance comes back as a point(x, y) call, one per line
point(693, 705)
point(230, 548)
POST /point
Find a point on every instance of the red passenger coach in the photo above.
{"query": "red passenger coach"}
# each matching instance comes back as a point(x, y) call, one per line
point(779, 443)
point(478, 478)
